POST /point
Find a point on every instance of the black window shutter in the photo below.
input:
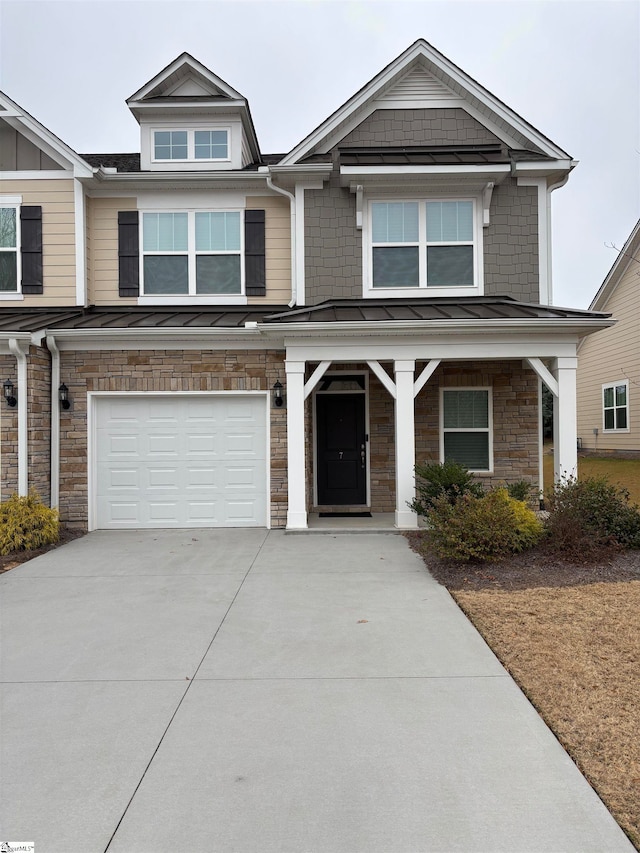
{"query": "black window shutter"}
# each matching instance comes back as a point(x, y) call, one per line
point(31, 248)
point(254, 253)
point(128, 253)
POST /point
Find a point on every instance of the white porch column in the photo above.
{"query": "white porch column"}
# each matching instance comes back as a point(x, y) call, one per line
point(565, 430)
point(296, 481)
point(405, 444)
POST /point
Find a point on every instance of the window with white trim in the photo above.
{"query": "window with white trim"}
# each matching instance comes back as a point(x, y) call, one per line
point(184, 145)
point(466, 427)
point(615, 406)
point(192, 253)
point(423, 245)
point(9, 249)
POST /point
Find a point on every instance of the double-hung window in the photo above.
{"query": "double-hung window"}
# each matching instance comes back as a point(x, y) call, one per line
point(423, 245)
point(615, 406)
point(192, 253)
point(191, 145)
point(466, 427)
point(9, 249)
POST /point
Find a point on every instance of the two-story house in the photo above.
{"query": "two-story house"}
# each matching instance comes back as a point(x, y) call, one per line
point(205, 335)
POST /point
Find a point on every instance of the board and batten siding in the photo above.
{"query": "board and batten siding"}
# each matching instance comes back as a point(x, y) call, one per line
point(56, 197)
point(609, 356)
point(102, 264)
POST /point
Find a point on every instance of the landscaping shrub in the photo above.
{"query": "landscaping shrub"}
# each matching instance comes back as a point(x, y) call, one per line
point(26, 523)
point(448, 479)
point(589, 514)
point(482, 528)
point(520, 490)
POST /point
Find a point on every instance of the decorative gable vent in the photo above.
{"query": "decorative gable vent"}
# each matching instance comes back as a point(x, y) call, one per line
point(418, 84)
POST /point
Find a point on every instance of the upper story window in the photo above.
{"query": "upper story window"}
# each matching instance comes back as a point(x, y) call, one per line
point(9, 250)
point(615, 406)
point(430, 245)
point(185, 145)
point(192, 253)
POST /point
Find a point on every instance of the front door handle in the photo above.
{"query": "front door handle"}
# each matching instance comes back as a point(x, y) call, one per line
point(362, 454)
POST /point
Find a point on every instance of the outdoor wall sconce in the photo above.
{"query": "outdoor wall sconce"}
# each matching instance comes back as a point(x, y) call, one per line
point(8, 393)
point(278, 399)
point(63, 396)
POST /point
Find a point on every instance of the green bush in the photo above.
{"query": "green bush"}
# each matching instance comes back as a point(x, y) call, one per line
point(26, 523)
point(448, 479)
point(520, 490)
point(482, 528)
point(591, 513)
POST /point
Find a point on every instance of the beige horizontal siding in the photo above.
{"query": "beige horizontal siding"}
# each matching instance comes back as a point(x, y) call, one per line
point(277, 247)
point(56, 197)
point(611, 356)
point(103, 250)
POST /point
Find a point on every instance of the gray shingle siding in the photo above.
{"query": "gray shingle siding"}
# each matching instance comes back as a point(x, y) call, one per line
point(511, 243)
point(333, 246)
point(419, 127)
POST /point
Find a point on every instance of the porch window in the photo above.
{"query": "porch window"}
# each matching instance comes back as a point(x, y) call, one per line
point(615, 404)
point(192, 253)
point(466, 427)
point(424, 245)
point(8, 249)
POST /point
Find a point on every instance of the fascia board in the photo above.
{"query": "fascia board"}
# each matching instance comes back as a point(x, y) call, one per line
point(626, 256)
point(5, 337)
point(180, 180)
point(379, 329)
point(43, 138)
point(364, 172)
point(422, 49)
point(188, 106)
point(150, 338)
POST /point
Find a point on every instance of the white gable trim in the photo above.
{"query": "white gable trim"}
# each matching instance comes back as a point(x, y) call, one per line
point(420, 50)
point(626, 256)
point(199, 71)
point(23, 123)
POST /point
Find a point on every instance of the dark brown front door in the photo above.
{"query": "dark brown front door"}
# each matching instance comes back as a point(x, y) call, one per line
point(341, 449)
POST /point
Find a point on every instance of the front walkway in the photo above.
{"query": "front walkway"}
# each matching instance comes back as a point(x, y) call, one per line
point(216, 691)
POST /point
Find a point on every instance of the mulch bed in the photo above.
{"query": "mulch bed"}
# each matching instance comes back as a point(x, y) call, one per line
point(10, 561)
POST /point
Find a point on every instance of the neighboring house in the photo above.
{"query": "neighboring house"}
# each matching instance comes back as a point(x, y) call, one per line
point(204, 335)
point(609, 362)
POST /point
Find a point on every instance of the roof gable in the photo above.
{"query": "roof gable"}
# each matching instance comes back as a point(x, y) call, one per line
point(423, 77)
point(185, 77)
point(629, 254)
point(39, 148)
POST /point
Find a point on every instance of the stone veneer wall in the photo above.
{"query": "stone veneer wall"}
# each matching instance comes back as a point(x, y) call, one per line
point(515, 424)
point(39, 394)
point(8, 433)
point(163, 370)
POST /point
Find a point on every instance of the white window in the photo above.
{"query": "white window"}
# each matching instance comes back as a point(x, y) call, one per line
point(192, 253)
point(426, 246)
point(466, 427)
point(615, 406)
point(185, 145)
point(9, 249)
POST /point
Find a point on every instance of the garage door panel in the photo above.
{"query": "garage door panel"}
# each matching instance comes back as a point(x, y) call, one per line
point(180, 462)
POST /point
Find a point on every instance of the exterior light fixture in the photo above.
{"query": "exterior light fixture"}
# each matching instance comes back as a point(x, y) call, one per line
point(63, 396)
point(8, 393)
point(278, 399)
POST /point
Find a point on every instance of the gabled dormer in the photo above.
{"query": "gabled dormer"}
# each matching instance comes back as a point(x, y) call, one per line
point(191, 120)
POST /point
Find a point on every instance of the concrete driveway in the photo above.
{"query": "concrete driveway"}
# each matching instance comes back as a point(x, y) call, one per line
point(239, 690)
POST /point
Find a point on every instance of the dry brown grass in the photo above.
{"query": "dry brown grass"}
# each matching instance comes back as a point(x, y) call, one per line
point(575, 652)
point(621, 472)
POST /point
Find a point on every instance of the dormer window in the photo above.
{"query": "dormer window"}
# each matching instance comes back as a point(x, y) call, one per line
point(189, 145)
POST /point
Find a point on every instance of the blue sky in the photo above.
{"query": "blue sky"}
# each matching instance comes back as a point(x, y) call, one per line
point(570, 68)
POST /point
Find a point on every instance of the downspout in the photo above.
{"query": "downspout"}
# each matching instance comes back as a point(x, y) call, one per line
point(55, 420)
point(294, 254)
point(23, 444)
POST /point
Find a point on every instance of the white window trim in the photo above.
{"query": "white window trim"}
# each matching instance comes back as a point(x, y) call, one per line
point(192, 297)
point(15, 203)
point(371, 292)
point(488, 429)
point(191, 146)
point(613, 385)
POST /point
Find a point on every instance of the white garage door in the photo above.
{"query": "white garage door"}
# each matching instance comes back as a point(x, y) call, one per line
point(180, 461)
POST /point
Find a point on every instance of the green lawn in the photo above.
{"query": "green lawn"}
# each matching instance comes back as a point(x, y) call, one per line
point(622, 472)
